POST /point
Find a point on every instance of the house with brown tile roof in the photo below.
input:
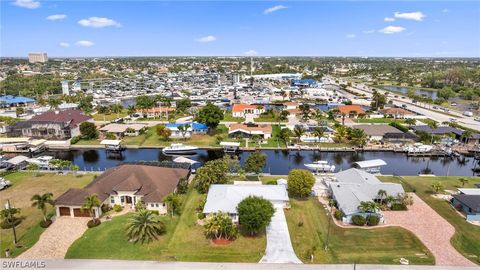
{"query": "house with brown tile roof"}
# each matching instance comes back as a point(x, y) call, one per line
point(350, 111)
point(249, 130)
point(397, 113)
point(124, 185)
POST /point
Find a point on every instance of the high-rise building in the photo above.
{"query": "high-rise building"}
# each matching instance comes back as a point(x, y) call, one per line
point(37, 57)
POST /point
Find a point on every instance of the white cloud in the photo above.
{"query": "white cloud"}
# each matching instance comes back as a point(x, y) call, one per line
point(27, 4)
point(371, 31)
point(206, 39)
point(392, 29)
point(65, 44)
point(84, 43)
point(389, 19)
point(251, 53)
point(351, 36)
point(415, 16)
point(56, 17)
point(273, 9)
point(98, 22)
point(445, 10)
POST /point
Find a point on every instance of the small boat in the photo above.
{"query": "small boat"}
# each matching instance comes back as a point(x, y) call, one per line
point(418, 148)
point(42, 161)
point(179, 148)
point(320, 166)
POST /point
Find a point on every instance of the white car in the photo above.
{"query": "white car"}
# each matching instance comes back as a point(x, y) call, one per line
point(4, 183)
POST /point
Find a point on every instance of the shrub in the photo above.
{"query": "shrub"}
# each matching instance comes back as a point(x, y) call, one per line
point(46, 224)
point(272, 182)
point(254, 214)
point(300, 224)
point(7, 225)
point(220, 225)
point(155, 212)
point(373, 220)
point(182, 186)
point(105, 208)
point(110, 136)
point(93, 223)
point(398, 207)
point(300, 183)
point(358, 220)
point(75, 140)
point(201, 215)
point(117, 208)
point(338, 214)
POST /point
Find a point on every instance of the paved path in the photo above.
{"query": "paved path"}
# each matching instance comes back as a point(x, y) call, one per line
point(55, 241)
point(432, 229)
point(279, 248)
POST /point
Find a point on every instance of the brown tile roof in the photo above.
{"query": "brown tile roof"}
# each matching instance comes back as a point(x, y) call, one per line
point(397, 111)
point(151, 181)
point(242, 107)
point(348, 108)
point(71, 116)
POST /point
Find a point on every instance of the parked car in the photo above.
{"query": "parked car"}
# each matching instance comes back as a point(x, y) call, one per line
point(469, 114)
point(477, 119)
point(4, 183)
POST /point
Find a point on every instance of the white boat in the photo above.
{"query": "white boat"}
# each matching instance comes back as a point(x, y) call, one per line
point(418, 148)
point(320, 166)
point(42, 161)
point(179, 148)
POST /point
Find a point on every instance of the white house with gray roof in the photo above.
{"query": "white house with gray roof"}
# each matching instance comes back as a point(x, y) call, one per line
point(225, 198)
point(354, 186)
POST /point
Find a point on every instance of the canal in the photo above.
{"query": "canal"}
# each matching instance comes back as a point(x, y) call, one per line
point(280, 162)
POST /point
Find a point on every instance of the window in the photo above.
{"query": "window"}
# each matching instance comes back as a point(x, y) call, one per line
point(122, 199)
point(163, 204)
point(156, 205)
point(152, 205)
point(112, 200)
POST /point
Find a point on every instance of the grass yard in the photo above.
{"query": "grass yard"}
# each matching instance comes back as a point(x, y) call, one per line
point(467, 236)
point(308, 225)
point(24, 186)
point(227, 117)
point(378, 120)
point(109, 117)
point(184, 241)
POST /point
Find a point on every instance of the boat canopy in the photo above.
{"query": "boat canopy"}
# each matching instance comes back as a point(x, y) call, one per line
point(230, 144)
point(370, 163)
point(111, 142)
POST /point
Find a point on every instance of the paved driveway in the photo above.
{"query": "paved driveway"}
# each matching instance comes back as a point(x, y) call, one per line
point(432, 229)
point(279, 248)
point(55, 241)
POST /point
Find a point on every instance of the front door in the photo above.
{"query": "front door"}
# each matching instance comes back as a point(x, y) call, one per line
point(128, 199)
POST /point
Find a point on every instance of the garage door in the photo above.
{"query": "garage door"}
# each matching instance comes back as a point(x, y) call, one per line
point(64, 211)
point(77, 212)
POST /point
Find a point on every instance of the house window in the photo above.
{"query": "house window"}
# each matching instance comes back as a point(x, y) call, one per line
point(163, 204)
point(112, 199)
point(156, 205)
point(152, 205)
point(122, 199)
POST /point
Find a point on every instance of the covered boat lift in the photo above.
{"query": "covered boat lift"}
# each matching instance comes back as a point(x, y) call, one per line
point(230, 147)
point(112, 145)
point(371, 166)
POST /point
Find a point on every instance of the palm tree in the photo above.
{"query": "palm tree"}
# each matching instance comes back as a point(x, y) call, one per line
point(145, 226)
point(410, 121)
point(298, 131)
point(358, 137)
point(463, 181)
point(382, 194)
point(54, 103)
point(437, 186)
point(91, 202)
point(318, 132)
point(466, 136)
point(433, 125)
point(341, 134)
point(368, 206)
point(41, 202)
point(343, 118)
point(131, 109)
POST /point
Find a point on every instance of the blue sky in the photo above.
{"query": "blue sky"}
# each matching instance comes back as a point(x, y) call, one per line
point(226, 28)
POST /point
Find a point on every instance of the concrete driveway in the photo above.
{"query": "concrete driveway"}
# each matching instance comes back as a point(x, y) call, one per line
point(279, 248)
point(56, 239)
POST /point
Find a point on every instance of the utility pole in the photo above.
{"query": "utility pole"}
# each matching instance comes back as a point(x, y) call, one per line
point(329, 215)
point(8, 206)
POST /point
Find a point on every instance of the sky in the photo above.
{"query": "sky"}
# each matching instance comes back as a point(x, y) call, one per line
point(229, 28)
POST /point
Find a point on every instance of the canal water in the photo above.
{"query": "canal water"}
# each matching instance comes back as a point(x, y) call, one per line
point(404, 90)
point(280, 162)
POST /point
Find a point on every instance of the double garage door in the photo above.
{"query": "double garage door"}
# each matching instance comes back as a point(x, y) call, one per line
point(77, 212)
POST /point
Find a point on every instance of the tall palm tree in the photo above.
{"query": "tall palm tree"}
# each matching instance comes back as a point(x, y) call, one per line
point(341, 134)
point(466, 136)
point(298, 131)
point(318, 132)
point(358, 137)
point(437, 186)
point(382, 194)
point(343, 118)
point(91, 202)
point(145, 226)
point(41, 202)
point(410, 121)
point(131, 109)
point(54, 103)
point(368, 206)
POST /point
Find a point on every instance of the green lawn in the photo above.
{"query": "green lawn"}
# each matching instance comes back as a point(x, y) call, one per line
point(25, 185)
point(109, 117)
point(379, 120)
point(184, 241)
point(467, 236)
point(227, 117)
point(308, 225)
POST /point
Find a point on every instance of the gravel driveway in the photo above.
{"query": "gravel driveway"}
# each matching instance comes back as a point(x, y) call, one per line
point(55, 241)
point(432, 229)
point(279, 248)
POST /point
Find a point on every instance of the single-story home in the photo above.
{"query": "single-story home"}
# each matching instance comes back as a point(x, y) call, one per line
point(354, 186)
point(249, 130)
point(193, 128)
point(8, 101)
point(397, 113)
point(469, 204)
point(121, 130)
point(156, 112)
point(385, 133)
point(241, 110)
point(447, 130)
point(225, 198)
point(124, 185)
point(350, 111)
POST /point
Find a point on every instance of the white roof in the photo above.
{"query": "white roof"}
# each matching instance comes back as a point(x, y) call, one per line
point(111, 142)
point(370, 163)
point(236, 144)
point(470, 191)
point(184, 160)
point(225, 198)
point(17, 160)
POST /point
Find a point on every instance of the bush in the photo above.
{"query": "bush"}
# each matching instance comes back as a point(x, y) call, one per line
point(46, 224)
point(300, 224)
point(110, 136)
point(117, 208)
point(254, 214)
point(272, 182)
point(88, 130)
point(75, 140)
point(93, 223)
point(300, 183)
point(398, 207)
point(338, 214)
point(201, 215)
point(182, 186)
point(105, 208)
point(358, 220)
point(7, 225)
point(156, 212)
point(220, 225)
point(373, 220)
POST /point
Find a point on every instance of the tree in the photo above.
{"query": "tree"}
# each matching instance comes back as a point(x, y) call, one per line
point(410, 121)
point(91, 202)
point(163, 132)
point(340, 134)
point(358, 137)
point(54, 103)
point(210, 115)
point(298, 131)
point(285, 135)
point(368, 207)
point(145, 226)
point(254, 214)
point(382, 193)
point(437, 187)
point(131, 109)
point(184, 129)
point(318, 132)
point(173, 203)
point(305, 111)
point(255, 162)
point(144, 102)
point(41, 202)
point(85, 104)
point(88, 130)
point(466, 136)
point(284, 115)
point(212, 172)
point(19, 111)
point(463, 181)
point(220, 225)
point(378, 101)
point(183, 104)
point(300, 183)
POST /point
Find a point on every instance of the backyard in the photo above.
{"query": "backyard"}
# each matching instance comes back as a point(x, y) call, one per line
point(184, 241)
point(24, 186)
point(308, 225)
point(467, 236)
point(378, 120)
